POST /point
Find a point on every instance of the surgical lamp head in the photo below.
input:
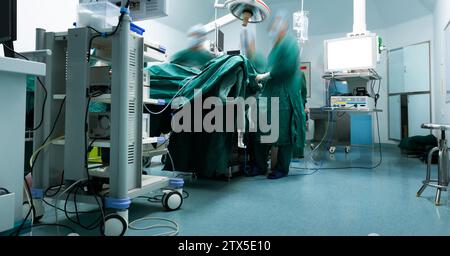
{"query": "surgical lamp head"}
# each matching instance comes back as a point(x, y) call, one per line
point(249, 11)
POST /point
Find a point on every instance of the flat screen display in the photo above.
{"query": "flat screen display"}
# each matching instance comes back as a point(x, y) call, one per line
point(8, 20)
point(348, 54)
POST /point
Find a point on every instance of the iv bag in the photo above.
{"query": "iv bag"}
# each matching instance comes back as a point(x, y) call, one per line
point(301, 25)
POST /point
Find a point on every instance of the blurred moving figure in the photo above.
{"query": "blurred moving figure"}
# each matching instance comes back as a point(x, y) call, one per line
point(196, 55)
point(248, 46)
point(284, 81)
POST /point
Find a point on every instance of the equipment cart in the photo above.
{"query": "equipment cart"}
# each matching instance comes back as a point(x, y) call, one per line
point(339, 126)
point(74, 82)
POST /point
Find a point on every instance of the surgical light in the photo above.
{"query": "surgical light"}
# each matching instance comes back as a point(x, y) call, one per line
point(249, 11)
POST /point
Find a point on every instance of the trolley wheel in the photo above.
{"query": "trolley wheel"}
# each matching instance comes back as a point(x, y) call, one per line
point(172, 200)
point(115, 225)
point(348, 149)
point(332, 150)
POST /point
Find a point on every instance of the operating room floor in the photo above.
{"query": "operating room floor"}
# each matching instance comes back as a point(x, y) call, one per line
point(354, 202)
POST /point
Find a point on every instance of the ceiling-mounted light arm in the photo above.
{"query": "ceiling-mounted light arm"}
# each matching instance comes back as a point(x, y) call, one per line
point(218, 5)
point(359, 18)
point(220, 22)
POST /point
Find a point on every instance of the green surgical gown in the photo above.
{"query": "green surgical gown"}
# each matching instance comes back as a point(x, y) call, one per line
point(207, 154)
point(192, 58)
point(259, 63)
point(286, 84)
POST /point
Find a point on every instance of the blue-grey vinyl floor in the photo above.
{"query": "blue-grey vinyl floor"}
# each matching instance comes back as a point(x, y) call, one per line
point(347, 202)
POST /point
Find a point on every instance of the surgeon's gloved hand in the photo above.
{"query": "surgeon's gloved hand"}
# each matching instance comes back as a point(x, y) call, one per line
point(263, 78)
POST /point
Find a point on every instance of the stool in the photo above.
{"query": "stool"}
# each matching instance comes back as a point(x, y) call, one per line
point(442, 182)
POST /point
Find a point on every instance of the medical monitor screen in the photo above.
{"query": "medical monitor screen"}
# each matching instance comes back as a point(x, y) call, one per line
point(349, 54)
point(8, 20)
point(221, 39)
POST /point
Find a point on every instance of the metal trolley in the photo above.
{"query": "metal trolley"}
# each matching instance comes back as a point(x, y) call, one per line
point(441, 184)
point(69, 85)
point(335, 123)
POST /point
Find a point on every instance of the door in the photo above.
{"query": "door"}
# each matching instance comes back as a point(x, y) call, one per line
point(395, 118)
point(418, 113)
point(396, 72)
point(417, 68)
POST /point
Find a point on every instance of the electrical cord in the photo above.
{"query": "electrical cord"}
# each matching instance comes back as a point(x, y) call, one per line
point(35, 153)
point(30, 203)
point(62, 193)
point(51, 188)
point(89, 227)
point(56, 193)
point(30, 211)
point(50, 134)
point(86, 159)
point(171, 161)
point(189, 80)
point(69, 212)
point(50, 225)
point(158, 198)
point(4, 190)
point(175, 227)
point(94, 29)
point(105, 35)
point(43, 87)
point(328, 136)
point(379, 143)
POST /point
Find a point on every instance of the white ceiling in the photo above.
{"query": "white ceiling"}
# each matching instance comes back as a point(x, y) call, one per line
point(326, 16)
point(336, 16)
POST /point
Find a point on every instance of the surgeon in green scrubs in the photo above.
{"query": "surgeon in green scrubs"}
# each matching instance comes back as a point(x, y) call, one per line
point(299, 152)
point(196, 55)
point(284, 80)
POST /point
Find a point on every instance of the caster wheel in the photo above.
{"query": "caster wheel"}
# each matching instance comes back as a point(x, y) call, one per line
point(172, 201)
point(115, 225)
point(332, 150)
point(348, 149)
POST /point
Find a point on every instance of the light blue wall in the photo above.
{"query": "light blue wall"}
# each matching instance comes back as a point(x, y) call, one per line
point(52, 15)
point(441, 19)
